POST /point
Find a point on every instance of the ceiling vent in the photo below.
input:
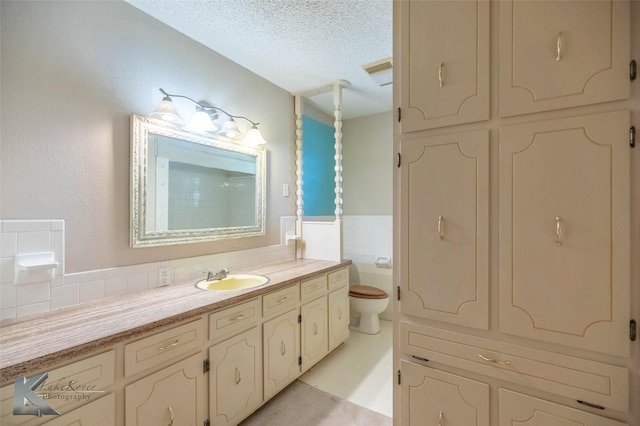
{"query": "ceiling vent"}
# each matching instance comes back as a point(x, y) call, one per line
point(381, 72)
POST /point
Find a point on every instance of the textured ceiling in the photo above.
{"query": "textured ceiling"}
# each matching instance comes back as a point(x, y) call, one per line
point(298, 45)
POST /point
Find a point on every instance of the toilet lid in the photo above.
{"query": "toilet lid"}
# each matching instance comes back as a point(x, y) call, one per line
point(367, 292)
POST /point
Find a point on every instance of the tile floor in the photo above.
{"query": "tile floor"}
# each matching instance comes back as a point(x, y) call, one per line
point(360, 370)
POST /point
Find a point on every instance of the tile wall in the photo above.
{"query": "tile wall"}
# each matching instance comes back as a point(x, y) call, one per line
point(34, 292)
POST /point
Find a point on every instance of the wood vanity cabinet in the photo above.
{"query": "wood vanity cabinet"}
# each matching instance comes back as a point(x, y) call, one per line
point(513, 238)
point(281, 337)
point(96, 373)
point(338, 301)
point(172, 395)
point(235, 377)
point(174, 392)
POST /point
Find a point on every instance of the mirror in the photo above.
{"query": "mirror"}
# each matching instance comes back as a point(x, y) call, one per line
point(191, 187)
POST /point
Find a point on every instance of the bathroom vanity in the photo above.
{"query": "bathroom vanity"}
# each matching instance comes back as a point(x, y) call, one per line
point(178, 355)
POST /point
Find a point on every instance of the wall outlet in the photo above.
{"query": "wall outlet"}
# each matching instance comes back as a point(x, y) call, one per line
point(285, 190)
point(164, 276)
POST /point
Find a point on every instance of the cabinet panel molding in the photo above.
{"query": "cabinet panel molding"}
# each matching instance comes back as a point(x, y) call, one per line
point(576, 378)
point(559, 54)
point(518, 410)
point(281, 337)
point(160, 347)
point(564, 231)
point(445, 228)
point(177, 392)
point(444, 57)
point(433, 397)
point(235, 377)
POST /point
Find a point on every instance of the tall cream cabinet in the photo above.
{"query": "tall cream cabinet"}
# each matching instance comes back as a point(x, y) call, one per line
point(512, 225)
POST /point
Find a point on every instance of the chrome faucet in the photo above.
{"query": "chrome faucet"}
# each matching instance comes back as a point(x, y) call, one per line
point(221, 274)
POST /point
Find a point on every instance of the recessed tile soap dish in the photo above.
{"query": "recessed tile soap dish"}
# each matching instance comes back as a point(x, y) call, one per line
point(36, 261)
point(35, 267)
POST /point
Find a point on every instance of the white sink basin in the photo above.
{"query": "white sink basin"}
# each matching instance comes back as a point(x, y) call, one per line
point(233, 282)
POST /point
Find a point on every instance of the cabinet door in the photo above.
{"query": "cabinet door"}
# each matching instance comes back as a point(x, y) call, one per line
point(434, 397)
point(444, 62)
point(564, 231)
point(516, 409)
point(315, 342)
point(558, 54)
point(235, 378)
point(444, 216)
point(176, 393)
point(281, 338)
point(338, 317)
point(101, 412)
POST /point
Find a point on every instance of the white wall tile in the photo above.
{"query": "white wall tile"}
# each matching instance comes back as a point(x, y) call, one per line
point(7, 270)
point(92, 290)
point(137, 283)
point(8, 297)
point(32, 293)
point(116, 286)
point(33, 309)
point(34, 242)
point(65, 296)
point(8, 244)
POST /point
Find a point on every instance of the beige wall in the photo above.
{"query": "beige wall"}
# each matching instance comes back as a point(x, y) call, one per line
point(367, 163)
point(71, 75)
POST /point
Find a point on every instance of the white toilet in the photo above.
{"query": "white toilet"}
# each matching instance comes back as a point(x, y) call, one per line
point(368, 302)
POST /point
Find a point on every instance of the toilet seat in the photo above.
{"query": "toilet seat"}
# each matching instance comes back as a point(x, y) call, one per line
point(367, 292)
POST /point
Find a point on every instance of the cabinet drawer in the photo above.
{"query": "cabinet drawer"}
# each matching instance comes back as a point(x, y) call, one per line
point(280, 301)
point(313, 288)
point(153, 350)
point(94, 374)
point(516, 407)
point(576, 378)
point(233, 320)
point(338, 279)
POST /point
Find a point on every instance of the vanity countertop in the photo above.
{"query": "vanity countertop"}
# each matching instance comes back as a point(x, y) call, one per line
point(30, 344)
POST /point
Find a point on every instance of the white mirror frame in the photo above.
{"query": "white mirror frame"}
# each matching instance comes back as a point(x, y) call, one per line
point(140, 235)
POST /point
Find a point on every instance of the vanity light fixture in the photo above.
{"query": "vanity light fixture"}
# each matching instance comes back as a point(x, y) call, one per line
point(204, 117)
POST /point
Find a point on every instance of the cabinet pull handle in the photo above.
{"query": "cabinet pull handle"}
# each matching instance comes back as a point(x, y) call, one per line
point(559, 47)
point(440, 74)
point(170, 345)
point(495, 361)
point(440, 418)
point(339, 314)
point(440, 227)
point(282, 299)
point(170, 414)
point(236, 318)
point(283, 348)
point(558, 232)
point(238, 376)
point(315, 328)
